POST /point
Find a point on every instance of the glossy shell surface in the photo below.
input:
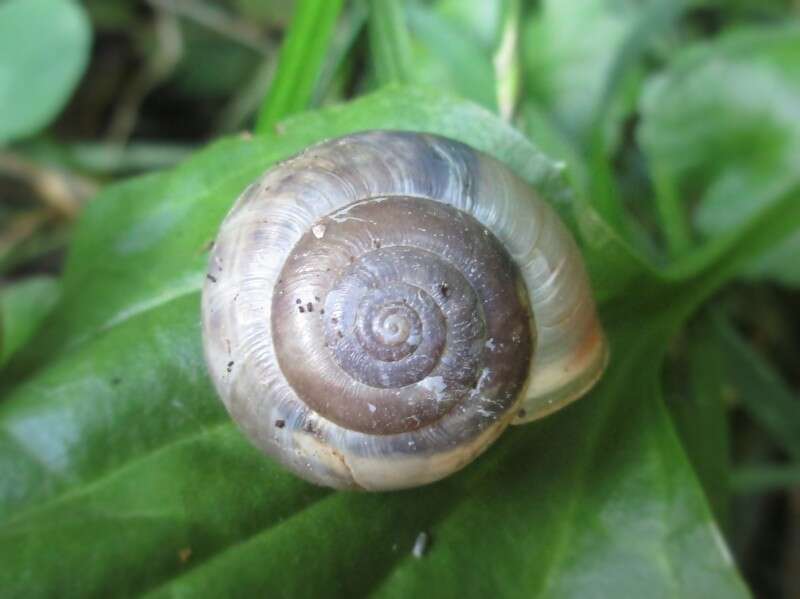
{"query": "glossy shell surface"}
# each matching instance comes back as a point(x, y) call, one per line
point(380, 307)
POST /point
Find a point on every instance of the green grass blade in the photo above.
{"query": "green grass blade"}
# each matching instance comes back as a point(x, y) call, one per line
point(699, 412)
point(761, 391)
point(764, 478)
point(506, 61)
point(389, 42)
point(301, 60)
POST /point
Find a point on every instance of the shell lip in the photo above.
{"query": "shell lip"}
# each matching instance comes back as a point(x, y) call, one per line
point(536, 407)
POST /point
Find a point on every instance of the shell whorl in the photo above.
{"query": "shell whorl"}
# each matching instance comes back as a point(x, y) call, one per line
point(402, 310)
point(380, 307)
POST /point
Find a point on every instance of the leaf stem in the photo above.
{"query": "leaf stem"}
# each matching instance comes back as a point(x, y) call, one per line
point(671, 213)
point(704, 270)
point(602, 185)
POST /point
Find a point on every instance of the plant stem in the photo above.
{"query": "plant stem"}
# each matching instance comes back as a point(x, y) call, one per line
point(671, 213)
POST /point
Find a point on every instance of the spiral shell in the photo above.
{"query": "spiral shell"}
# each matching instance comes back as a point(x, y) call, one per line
point(380, 307)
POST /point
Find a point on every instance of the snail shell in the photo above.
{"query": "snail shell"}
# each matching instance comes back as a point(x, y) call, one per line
point(380, 307)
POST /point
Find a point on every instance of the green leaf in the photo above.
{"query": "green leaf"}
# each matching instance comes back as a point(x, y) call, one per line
point(44, 47)
point(449, 57)
point(589, 83)
point(765, 478)
point(301, 60)
point(120, 473)
point(482, 20)
point(697, 405)
point(733, 151)
point(425, 44)
point(586, 516)
point(560, 59)
point(760, 390)
point(23, 307)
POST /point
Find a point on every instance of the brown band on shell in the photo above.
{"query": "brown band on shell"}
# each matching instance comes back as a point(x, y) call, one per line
point(391, 312)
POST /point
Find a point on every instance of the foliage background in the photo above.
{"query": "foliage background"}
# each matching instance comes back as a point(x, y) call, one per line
point(666, 132)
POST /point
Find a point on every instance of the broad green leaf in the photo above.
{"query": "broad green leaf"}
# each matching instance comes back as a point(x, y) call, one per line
point(44, 47)
point(571, 49)
point(121, 474)
point(450, 57)
point(449, 46)
point(610, 505)
point(583, 69)
point(779, 264)
point(23, 307)
point(439, 45)
point(483, 20)
point(560, 58)
point(735, 150)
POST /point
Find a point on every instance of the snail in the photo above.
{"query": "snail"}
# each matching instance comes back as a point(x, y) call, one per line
point(380, 307)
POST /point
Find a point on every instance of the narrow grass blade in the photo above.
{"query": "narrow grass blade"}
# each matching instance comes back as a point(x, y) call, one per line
point(389, 42)
point(301, 60)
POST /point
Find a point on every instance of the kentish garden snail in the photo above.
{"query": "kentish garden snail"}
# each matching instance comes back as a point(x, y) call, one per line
point(380, 307)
